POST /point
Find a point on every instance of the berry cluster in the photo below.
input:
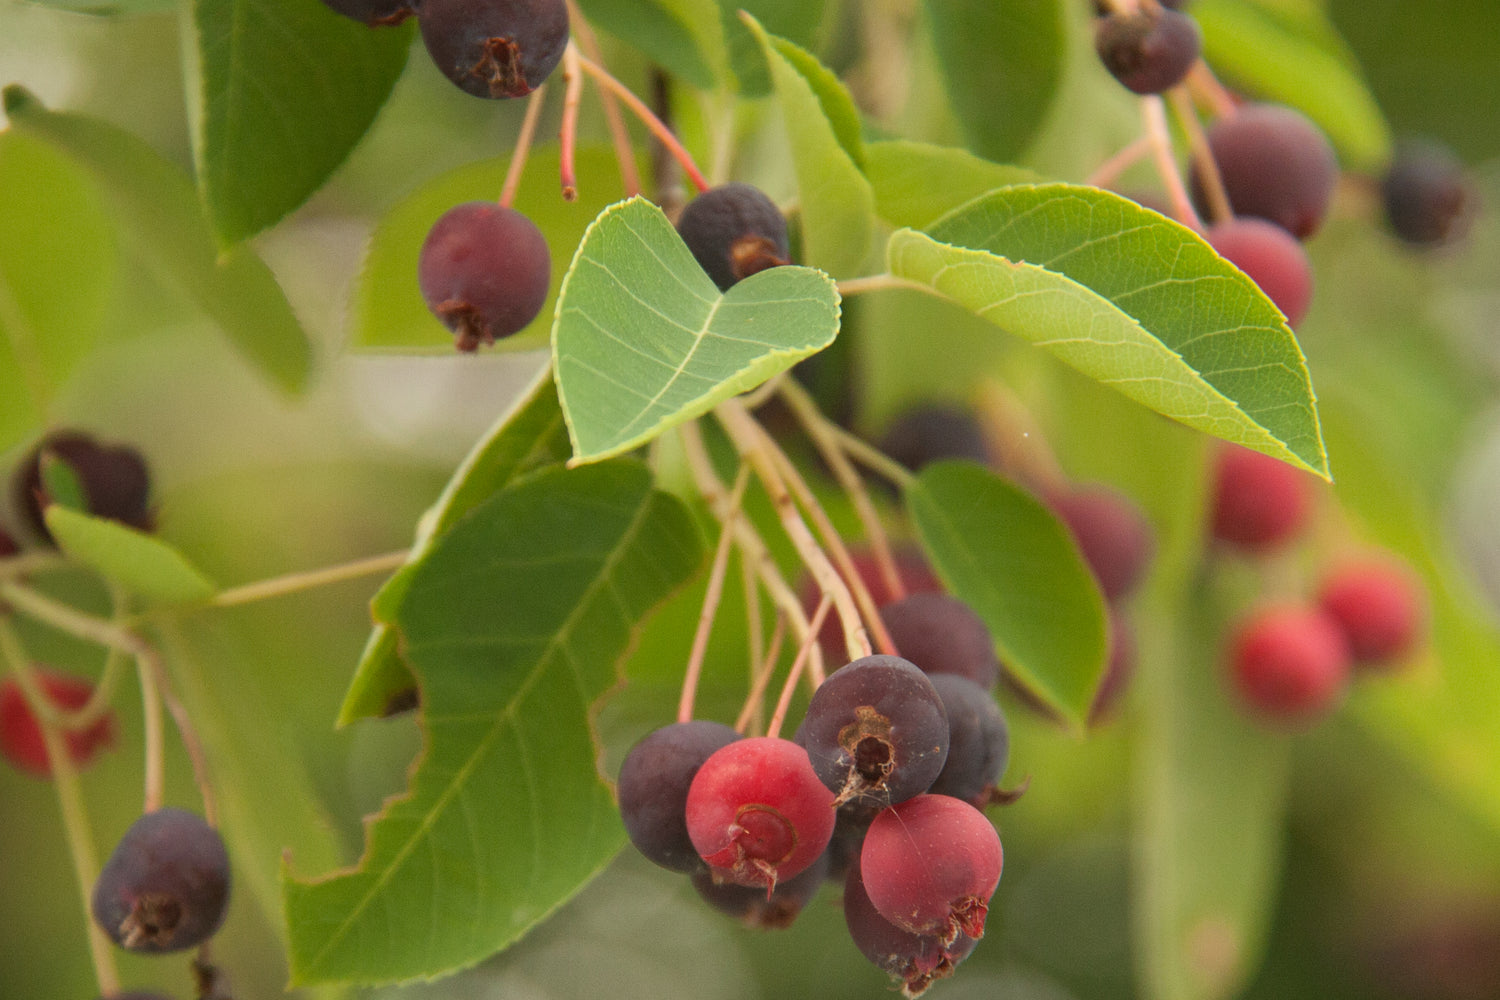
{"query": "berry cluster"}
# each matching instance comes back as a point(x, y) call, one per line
point(106, 480)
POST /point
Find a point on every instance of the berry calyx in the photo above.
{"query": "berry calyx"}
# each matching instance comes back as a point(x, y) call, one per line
point(751, 906)
point(1272, 258)
point(942, 635)
point(21, 732)
point(1275, 164)
point(734, 231)
point(112, 479)
point(653, 789)
point(1378, 605)
point(1289, 662)
point(1259, 502)
point(1149, 50)
point(495, 48)
point(484, 271)
point(165, 886)
point(1112, 533)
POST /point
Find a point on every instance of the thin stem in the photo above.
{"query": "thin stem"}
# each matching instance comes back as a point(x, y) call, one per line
point(186, 731)
point(70, 802)
point(1110, 170)
point(711, 598)
point(568, 137)
point(763, 670)
point(1023, 450)
point(1206, 87)
point(291, 583)
point(648, 118)
point(795, 674)
point(26, 563)
point(756, 397)
point(882, 283)
point(630, 176)
point(155, 744)
point(754, 625)
point(523, 147)
point(872, 457)
point(1155, 115)
point(1203, 156)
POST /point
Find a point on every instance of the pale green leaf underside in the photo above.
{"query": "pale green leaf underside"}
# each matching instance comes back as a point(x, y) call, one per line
point(514, 625)
point(643, 340)
point(1132, 299)
point(140, 563)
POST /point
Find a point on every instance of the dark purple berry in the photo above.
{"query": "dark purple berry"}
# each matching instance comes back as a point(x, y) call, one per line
point(166, 885)
point(1272, 258)
point(375, 13)
point(914, 960)
point(653, 789)
point(876, 731)
point(1275, 165)
point(1112, 533)
point(495, 48)
point(484, 271)
point(1149, 50)
point(1427, 194)
point(933, 432)
point(112, 479)
point(849, 828)
point(734, 231)
point(942, 635)
point(753, 907)
point(978, 741)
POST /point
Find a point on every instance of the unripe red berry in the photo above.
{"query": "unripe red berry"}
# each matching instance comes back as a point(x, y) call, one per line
point(1259, 502)
point(1272, 258)
point(1289, 662)
point(1378, 605)
point(21, 734)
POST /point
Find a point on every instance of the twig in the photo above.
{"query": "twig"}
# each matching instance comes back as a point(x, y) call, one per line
point(291, 583)
point(762, 671)
point(1155, 115)
point(630, 177)
point(568, 135)
point(795, 674)
point(648, 118)
point(522, 148)
point(1110, 170)
point(1203, 156)
point(711, 598)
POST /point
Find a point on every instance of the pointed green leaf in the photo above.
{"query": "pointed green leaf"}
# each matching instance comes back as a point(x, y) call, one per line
point(142, 564)
point(795, 20)
point(528, 435)
point(61, 482)
point(284, 89)
point(836, 205)
point(1001, 550)
point(915, 182)
point(833, 97)
point(684, 36)
point(1132, 299)
point(514, 625)
point(159, 212)
point(643, 340)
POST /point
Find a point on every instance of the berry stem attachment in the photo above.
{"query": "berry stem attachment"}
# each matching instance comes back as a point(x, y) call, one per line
point(291, 583)
point(784, 702)
point(568, 136)
point(764, 669)
point(711, 597)
point(1203, 157)
point(648, 118)
point(523, 147)
point(1154, 112)
point(630, 177)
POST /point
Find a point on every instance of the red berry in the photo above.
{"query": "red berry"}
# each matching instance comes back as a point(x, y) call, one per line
point(484, 271)
point(1378, 605)
point(1259, 502)
point(1290, 662)
point(1112, 533)
point(1272, 258)
point(916, 960)
point(21, 735)
point(757, 813)
point(1275, 164)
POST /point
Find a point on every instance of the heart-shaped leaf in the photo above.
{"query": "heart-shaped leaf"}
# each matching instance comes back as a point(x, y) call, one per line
point(643, 340)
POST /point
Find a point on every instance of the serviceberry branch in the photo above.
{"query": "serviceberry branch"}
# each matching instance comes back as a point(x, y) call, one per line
point(648, 118)
point(711, 597)
point(1203, 157)
point(292, 583)
point(522, 149)
point(630, 177)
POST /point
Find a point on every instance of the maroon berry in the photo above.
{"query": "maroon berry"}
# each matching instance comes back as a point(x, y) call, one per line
point(734, 231)
point(1259, 502)
point(751, 906)
point(113, 480)
point(653, 789)
point(495, 48)
point(916, 961)
point(166, 885)
point(757, 812)
point(1378, 605)
point(1112, 533)
point(1117, 672)
point(375, 13)
point(930, 865)
point(912, 569)
point(21, 734)
point(942, 635)
point(484, 271)
point(933, 432)
point(1428, 197)
point(1275, 165)
point(978, 741)
point(1148, 50)
point(1272, 258)
point(1289, 662)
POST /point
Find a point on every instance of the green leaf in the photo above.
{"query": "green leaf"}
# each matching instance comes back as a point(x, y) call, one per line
point(528, 435)
point(1303, 64)
point(1002, 64)
point(685, 36)
point(833, 97)
point(61, 483)
point(388, 310)
point(795, 20)
point(284, 89)
point(1132, 299)
point(142, 564)
point(643, 340)
point(109, 8)
point(915, 183)
point(58, 264)
point(159, 212)
point(1001, 550)
point(514, 625)
point(837, 206)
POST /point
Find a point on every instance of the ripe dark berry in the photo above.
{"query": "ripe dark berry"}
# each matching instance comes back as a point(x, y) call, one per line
point(1149, 50)
point(942, 635)
point(1117, 672)
point(166, 885)
point(1112, 533)
point(8, 544)
point(876, 731)
point(753, 907)
point(933, 432)
point(484, 271)
point(1275, 164)
point(1259, 502)
point(653, 789)
point(912, 568)
point(757, 813)
point(112, 478)
point(1427, 195)
point(734, 231)
point(1272, 258)
point(21, 734)
point(978, 740)
point(1289, 662)
point(1378, 605)
point(914, 960)
point(930, 865)
point(495, 48)
point(375, 13)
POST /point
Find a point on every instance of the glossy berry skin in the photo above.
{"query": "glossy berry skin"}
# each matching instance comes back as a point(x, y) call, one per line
point(1379, 607)
point(1112, 533)
point(916, 961)
point(1272, 258)
point(495, 48)
point(21, 735)
point(375, 13)
point(757, 814)
point(978, 741)
point(942, 635)
point(751, 906)
point(876, 731)
point(484, 271)
point(930, 865)
point(1259, 503)
point(934, 432)
point(113, 479)
point(912, 569)
point(653, 789)
point(166, 885)
point(1289, 663)
point(1150, 50)
point(1275, 165)
point(734, 231)
point(1427, 195)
